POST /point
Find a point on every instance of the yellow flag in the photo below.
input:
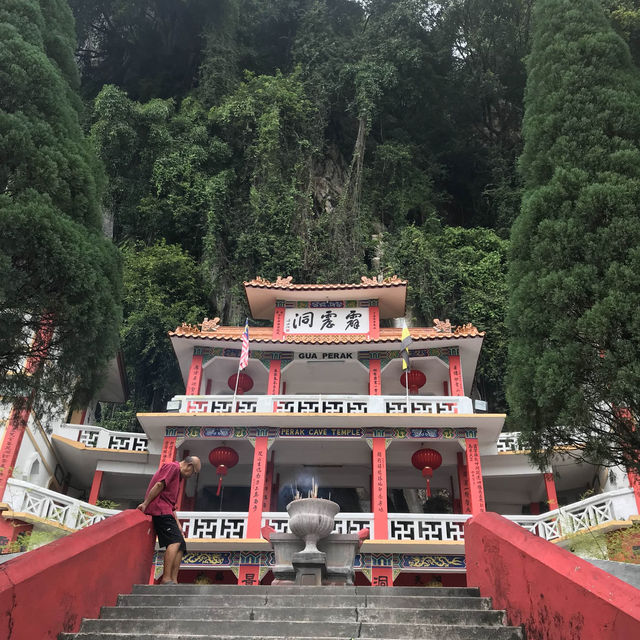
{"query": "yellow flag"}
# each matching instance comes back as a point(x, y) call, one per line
point(406, 341)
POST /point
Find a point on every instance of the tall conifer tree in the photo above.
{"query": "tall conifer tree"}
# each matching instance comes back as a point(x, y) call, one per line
point(574, 372)
point(55, 264)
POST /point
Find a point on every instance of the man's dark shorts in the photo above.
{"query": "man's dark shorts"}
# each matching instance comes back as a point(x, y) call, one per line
point(168, 532)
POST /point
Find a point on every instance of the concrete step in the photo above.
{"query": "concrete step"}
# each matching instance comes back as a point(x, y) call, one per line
point(271, 628)
point(193, 612)
point(162, 597)
point(233, 589)
point(462, 617)
point(482, 634)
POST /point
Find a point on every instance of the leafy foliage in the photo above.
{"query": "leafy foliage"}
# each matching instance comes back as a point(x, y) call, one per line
point(459, 274)
point(56, 267)
point(161, 291)
point(575, 264)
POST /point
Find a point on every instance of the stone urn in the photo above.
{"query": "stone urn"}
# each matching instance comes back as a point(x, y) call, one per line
point(311, 519)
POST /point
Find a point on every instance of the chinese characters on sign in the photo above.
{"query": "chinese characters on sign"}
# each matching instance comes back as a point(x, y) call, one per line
point(257, 487)
point(326, 321)
point(374, 377)
point(455, 376)
point(476, 487)
point(195, 376)
point(168, 453)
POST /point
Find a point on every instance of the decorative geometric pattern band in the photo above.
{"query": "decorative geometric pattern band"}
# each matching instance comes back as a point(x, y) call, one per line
point(398, 561)
point(322, 432)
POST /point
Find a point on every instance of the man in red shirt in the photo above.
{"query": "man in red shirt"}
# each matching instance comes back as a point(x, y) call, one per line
point(160, 503)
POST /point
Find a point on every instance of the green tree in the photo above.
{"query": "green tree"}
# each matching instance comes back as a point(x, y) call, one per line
point(161, 291)
point(55, 264)
point(574, 377)
point(459, 274)
point(257, 226)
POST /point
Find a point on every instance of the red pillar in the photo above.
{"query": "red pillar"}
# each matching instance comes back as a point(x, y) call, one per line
point(195, 376)
point(19, 416)
point(474, 475)
point(249, 575)
point(168, 453)
point(374, 323)
point(258, 475)
point(278, 323)
point(275, 370)
point(183, 486)
point(379, 493)
point(455, 376)
point(268, 487)
point(375, 376)
point(95, 486)
point(463, 484)
point(380, 576)
point(552, 497)
point(14, 432)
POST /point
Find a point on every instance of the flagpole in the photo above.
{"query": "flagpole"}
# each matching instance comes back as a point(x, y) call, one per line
point(242, 349)
point(235, 391)
point(406, 385)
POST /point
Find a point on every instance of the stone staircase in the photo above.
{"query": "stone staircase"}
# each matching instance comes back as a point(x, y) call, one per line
point(190, 612)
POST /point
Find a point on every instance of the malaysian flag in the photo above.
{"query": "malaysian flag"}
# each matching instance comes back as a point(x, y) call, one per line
point(244, 352)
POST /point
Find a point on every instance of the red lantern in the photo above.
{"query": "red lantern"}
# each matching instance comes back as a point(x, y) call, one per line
point(416, 380)
point(426, 460)
point(245, 382)
point(223, 458)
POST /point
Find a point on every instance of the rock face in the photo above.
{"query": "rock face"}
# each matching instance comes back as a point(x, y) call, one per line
point(192, 612)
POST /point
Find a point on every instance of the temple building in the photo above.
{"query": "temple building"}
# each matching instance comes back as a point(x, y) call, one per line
point(335, 392)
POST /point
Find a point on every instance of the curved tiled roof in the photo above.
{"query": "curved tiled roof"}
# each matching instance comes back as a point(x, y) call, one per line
point(265, 334)
point(285, 283)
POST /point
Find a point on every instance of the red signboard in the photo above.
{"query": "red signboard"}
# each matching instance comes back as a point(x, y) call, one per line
point(195, 376)
point(379, 490)
point(455, 376)
point(258, 476)
point(474, 474)
point(375, 374)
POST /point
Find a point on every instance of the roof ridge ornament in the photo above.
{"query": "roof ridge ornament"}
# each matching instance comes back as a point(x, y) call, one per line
point(189, 328)
point(468, 328)
point(442, 326)
point(210, 325)
point(380, 280)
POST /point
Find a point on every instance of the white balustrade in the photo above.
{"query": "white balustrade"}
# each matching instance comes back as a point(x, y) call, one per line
point(509, 441)
point(323, 404)
point(99, 438)
point(344, 522)
point(24, 497)
point(219, 524)
point(427, 527)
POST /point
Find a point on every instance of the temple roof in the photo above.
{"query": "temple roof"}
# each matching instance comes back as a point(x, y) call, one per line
point(211, 331)
point(262, 294)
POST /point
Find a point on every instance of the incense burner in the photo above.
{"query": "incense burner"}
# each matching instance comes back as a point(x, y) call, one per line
point(311, 519)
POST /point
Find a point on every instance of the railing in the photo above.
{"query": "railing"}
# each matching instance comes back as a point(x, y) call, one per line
point(509, 442)
point(204, 524)
point(23, 497)
point(53, 507)
point(99, 438)
point(321, 404)
point(344, 522)
point(427, 527)
point(579, 516)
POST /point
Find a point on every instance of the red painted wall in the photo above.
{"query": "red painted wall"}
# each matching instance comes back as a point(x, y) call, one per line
point(51, 589)
point(556, 595)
